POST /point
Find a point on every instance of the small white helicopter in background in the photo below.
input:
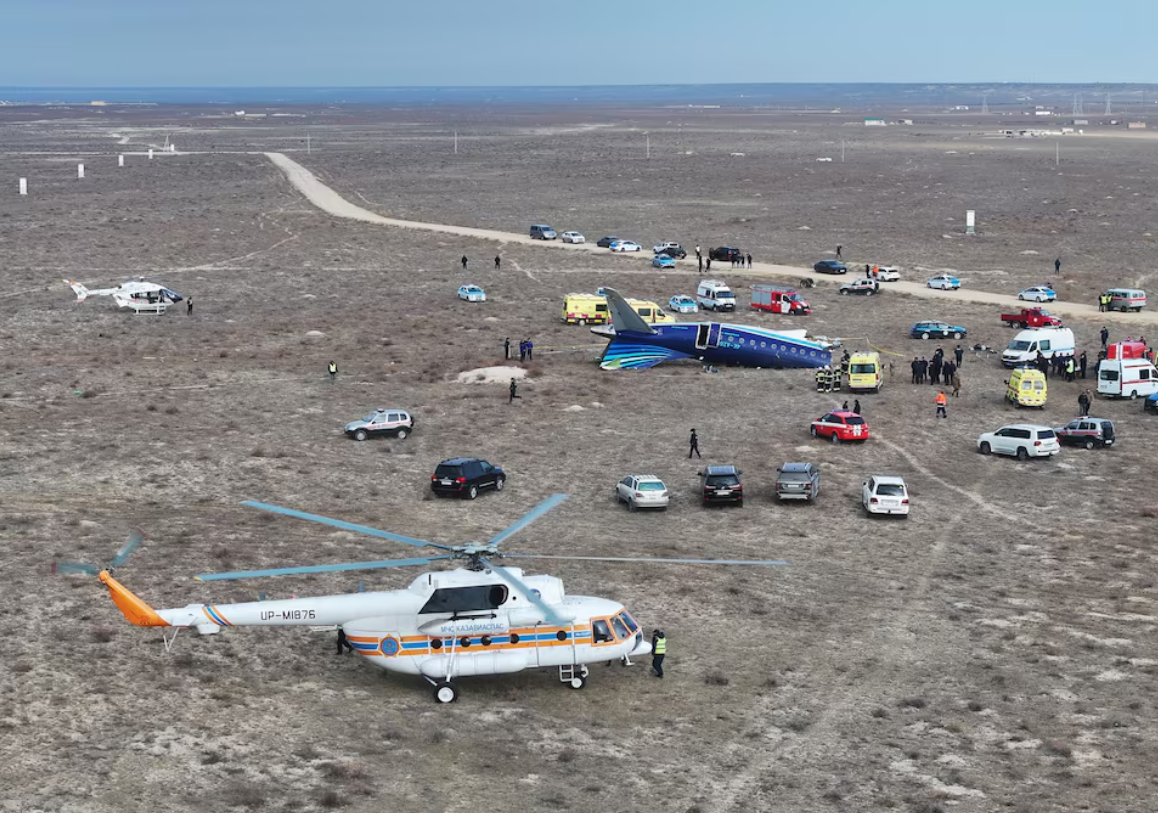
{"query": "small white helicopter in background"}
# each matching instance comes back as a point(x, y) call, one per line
point(140, 296)
point(480, 619)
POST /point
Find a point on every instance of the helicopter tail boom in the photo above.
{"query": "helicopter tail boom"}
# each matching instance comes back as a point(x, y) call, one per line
point(133, 608)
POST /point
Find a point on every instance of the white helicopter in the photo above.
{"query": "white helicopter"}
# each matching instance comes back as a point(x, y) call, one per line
point(481, 619)
point(138, 295)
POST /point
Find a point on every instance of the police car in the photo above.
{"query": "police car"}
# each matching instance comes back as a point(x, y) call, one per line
point(472, 293)
point(396, 422)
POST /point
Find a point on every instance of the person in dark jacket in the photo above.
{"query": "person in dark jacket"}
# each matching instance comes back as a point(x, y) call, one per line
point(694, 445)
point(1084, 404)
point(914, 366)
point(856, 405)
point(959, 354)
point(1105, 335)
point(507, 349)
point(344, 646)
point(1082, 364)
point(935, 370)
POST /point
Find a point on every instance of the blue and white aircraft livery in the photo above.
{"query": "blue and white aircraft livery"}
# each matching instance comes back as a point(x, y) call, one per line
point(635, 344)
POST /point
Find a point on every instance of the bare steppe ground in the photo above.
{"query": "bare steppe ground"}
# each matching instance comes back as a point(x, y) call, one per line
point(995, 651)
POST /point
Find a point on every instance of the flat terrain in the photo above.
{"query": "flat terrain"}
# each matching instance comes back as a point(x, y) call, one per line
point(995, 651)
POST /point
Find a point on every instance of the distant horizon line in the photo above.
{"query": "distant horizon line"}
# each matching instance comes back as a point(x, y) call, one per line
point(1005, 82)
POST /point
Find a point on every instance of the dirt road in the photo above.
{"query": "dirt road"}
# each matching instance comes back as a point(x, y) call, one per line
point(332, 203)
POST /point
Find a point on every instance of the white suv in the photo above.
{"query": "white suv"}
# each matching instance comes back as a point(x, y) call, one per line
point(1023, 440)
point(882, 494)
point(641, 491)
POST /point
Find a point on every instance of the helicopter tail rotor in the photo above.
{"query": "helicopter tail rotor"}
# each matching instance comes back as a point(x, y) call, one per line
point(121, 556)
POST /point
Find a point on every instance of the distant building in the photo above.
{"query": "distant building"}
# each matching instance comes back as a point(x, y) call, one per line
point(1136, 125)
point(874, 122)
point(1079, 122)
point(98, 103)
point(1043, 112)
point(907, 121)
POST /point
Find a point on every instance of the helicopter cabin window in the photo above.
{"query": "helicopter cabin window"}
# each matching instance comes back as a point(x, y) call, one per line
point(466, 599)
point(620, 628)
point(600, 632)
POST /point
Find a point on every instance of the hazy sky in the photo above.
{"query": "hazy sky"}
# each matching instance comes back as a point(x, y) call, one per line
point(515, 42)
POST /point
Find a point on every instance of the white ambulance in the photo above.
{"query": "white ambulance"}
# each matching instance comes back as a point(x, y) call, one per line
point(715, 295)
point(1126, 372)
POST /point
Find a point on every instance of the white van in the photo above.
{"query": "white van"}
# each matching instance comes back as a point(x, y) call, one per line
point(1127, 378)
point(1126, 299)
point(1049, 341)
point(714, 295)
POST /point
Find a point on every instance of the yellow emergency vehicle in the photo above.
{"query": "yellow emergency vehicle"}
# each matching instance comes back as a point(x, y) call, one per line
point(1026, 387)
point(652, 313)
point(864, 372)
point(582, 309)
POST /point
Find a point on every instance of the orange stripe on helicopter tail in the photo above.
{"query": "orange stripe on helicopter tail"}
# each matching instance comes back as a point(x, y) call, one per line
point(135, 610)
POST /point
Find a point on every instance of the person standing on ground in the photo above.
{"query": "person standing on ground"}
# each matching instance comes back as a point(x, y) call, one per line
point(935, 370)
point(708, 265)
point(1057, 266)
point(498, 262)
point(658, 652)
point(915, 366)
point(1082, 365)
point(820, 379)
point(749, 260)
point(1084, 404)
point(959, 353)
point(463, 261)
point(942, 402)
point(507, 349)
point(956, 384)
point(522, 351)
point(699, 254)
point(1070, 369)
point(838, 249)
point(333, 371)
point(856, 405)
point(530, 349)
point(344, 646)
point(694, 445)
point(514, 388)
point(189, 307)
point(700, 260)
point(1105, 335)
point(1101, 303)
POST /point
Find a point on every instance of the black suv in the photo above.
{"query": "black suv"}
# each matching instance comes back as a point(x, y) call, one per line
point(465, 477)
point(722, 484)
point(675, 251)
point(725, 253)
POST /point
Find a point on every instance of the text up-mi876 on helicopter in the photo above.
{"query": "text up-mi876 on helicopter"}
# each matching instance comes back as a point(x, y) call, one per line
point(478, 619)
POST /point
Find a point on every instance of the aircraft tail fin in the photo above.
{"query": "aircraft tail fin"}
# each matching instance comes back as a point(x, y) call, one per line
point(81, 291)
point(623, 316)
point(135, 610)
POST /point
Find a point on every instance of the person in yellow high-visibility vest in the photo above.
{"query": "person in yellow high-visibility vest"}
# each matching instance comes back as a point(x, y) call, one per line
point(332, 369)
point(658, 652)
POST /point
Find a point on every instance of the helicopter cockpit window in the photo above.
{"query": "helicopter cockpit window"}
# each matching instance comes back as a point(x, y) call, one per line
point(620, 628)
point(600, 632)
point(628, 620)
point(466, 599)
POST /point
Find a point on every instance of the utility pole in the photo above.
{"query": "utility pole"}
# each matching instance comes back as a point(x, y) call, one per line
point(842, 151)
point(1109, 110)
point(647, 139)
point(1056, 153)
point(456, 142)
point(984, 105)
point(308, 146)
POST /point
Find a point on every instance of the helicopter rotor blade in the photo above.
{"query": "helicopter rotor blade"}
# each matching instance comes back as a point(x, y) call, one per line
point(346, 526)
point(295, 571)
point(529, 593)
point(75, 567)
point(527, 518)
point(652, 560)
point(127, 549)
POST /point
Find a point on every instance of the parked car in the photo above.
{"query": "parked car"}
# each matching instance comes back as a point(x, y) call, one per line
point(466, 477)
point(862, 287)
point(830, 267)
point(721, 484)
point(642, 491)
point(885, 273)
point(725, 253)
point(542, 232)
point(884, 494)
point(930, 328)
point(605, 242)
point(840, 425)
point(382, 422)
point(625, 245)
point(798, 481)
point(944, 282)
point(1022, 440)
point(682, 303)
point(573, 237)
point(1038, 293)
point(1087, 431)
point(659, 248)
point(675, 251)
point(472, 293)
point(663, 261)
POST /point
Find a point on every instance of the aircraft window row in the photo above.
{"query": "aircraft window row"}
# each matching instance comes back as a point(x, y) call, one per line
point(466, 642)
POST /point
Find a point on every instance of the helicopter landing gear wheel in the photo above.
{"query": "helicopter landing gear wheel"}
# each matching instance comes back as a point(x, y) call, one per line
point(577, 682)
point(445, 692)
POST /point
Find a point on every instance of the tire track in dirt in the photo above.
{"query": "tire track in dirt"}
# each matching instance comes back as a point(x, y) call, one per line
point(895, 650)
